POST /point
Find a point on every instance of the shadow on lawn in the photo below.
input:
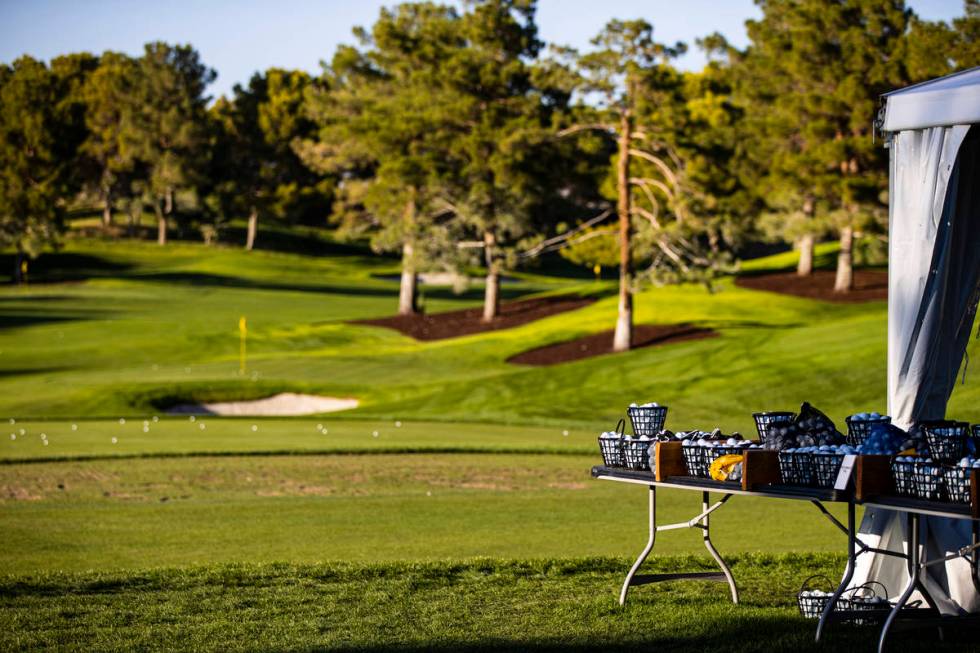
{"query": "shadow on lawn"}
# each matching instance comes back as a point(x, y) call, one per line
point(743, 634)
point(225, 281)
point(59, 267)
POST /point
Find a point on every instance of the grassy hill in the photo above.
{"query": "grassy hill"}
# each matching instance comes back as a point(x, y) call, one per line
point(455, 493)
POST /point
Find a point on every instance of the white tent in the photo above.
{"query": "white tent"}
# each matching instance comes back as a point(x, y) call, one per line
point(933, 133)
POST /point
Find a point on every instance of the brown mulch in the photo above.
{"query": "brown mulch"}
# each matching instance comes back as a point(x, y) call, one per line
point(468, 321)
point(869, 285)
point(598, 344)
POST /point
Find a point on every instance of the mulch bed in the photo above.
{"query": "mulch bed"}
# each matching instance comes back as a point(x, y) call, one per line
point(468, 321)
point(869, 285)
point(601, 343)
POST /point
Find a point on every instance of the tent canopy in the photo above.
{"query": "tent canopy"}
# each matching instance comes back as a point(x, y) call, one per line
point(942, 102)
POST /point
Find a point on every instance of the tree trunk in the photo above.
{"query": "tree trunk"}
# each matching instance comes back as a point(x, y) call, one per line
point(107, 208)
point(623, 337)
point(161, 223)
point(805, 245)
point(19, 267)
point(491, 297)
point(253, 225)
point(408, 292)
point(845, 261)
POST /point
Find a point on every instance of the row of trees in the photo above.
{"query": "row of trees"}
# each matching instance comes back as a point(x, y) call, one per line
point(455, 137)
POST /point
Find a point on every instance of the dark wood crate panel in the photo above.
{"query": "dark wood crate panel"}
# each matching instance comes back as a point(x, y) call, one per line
point(669, 458)
point(873, 477)
point(761, 468)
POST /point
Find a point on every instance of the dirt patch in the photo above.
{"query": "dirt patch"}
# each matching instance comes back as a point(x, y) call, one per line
point(451, 324)
point(599, 344)
point(869, 285)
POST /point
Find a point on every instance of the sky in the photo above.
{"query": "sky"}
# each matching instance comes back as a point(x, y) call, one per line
point(239, 37)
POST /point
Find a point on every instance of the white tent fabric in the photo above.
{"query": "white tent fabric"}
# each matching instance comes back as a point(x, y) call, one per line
point(943, 102)
point(934, 282)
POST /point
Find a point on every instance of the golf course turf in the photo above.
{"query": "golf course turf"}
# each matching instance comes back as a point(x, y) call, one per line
point(453, 509)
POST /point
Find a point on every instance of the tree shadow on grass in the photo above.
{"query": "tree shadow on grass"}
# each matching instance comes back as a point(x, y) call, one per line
point(57, 267)
point(741, 633)
point(226, 281)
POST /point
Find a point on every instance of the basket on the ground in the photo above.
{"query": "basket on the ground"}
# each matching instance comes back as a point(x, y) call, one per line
point(918, 479)
point(858, 430)
point(698, 458)
point(946, 438)
point(796, 467)
point(826, 467)
point(647, 420)
point(764, 420)
point(636, 453)
point(812, 601)
point(957, 483)
point(863, 598)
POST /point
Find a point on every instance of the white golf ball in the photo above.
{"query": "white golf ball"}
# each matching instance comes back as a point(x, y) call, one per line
point(565, 432)
point(114, 440)
point(255, 428)
point(122, 420)
point(374, 433)
point(398, 424)
point(13, 436)
point(74, 427)
point(201, 425)
point(192, 418)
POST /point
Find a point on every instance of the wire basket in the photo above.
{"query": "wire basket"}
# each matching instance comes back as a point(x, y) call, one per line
point(636, 453)
point(975, 434)
point(858, 430)
point(826, 467)
point(863, 598)
point(698, 458)
point(647, 420)
point(946, 438)
point(796, 467)
point(918, 479)
point(764, 420)
point(612, 448)
point(813, 601)
point(957, 482)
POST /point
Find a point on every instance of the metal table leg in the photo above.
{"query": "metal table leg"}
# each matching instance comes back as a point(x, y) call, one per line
point(913, 583)
point(700, 521)
point(848, 572)
point(706, 535)
point(646, 550)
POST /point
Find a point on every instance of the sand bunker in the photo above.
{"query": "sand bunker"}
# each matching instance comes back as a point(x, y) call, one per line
point(284, 403)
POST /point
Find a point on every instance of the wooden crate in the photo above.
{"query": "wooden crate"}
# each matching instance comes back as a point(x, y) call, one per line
point(761, 468)
point(873, 477)
point(669, 457)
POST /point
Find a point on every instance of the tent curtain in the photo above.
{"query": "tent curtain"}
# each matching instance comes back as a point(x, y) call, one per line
point(933, 276)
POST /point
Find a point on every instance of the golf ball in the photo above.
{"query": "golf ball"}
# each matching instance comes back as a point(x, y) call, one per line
point(114, 440)
point(74, 427)
point(255, 428)
point(122, 420)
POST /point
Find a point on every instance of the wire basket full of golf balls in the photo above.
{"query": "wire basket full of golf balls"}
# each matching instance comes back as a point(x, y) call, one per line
point(647, 419)
point(864, 598)
point(811, 600)
point(611, 446)
point(796, 467)
point(946, 438)
point(826, 467)
point(764, 420)
point(637, 451)
point(957, 481)
point(860, 426)
point(918, 478)
point(698, 457)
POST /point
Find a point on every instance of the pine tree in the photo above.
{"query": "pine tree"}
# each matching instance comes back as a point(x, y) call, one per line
point(168, 132)
point(380, 131)
point(38, 140)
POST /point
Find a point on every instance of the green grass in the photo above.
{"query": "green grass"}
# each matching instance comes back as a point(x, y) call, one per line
point(151, 326)
point(229, 538)
point(481, 605)
point(147, 512)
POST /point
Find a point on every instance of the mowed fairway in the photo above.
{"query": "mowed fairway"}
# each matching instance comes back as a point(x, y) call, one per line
point(453, 509)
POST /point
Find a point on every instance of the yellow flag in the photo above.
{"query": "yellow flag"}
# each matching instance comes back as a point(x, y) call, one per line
point(243, 331)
